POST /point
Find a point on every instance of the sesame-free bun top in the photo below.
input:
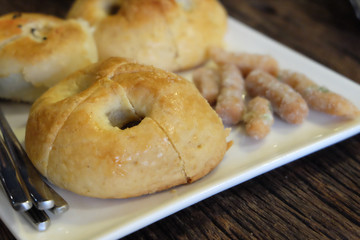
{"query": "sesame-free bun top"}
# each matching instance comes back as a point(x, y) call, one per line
point(119, 129)
point(38, 50)
point(170, 34)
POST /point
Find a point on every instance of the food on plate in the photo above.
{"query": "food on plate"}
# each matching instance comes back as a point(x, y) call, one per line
point(118, 129)
point(289, 93)
point(286, 102)
point(37, 50)
point(207, 81)
point(246, 62)
point(258, 118)
point(230, 103)
point(170, 34)
point(318, 97)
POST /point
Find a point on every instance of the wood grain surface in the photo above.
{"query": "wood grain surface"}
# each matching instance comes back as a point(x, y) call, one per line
point(315, 197)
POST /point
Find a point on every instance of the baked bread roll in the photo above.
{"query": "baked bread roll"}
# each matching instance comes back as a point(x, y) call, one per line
point(36, 51)
point(170, 34)
point(119, 129)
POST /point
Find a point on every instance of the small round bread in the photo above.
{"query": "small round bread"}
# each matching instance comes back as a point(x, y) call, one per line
point(170, 34)
point(119, 129)
point(37, 51)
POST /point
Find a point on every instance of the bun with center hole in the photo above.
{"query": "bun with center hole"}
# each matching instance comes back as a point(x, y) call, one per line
point(118, 129)
point(37, 50)
point(170, 34)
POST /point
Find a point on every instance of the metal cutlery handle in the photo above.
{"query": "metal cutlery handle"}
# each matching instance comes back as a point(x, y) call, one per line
point(17, 194)
point(43, 196)
point(29, 176)
point(37, 218)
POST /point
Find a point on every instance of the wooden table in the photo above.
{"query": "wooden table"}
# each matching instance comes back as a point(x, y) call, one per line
point(315, 197)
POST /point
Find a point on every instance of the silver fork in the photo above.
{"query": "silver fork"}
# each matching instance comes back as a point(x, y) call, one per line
point(27, 192)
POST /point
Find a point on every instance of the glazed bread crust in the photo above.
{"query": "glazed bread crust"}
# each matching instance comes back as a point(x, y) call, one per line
point(37, 51)
point(77, 134)
point(170, 34)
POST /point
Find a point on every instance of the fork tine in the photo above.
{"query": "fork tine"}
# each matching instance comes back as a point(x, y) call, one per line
point(44, 197)
point(17, 194)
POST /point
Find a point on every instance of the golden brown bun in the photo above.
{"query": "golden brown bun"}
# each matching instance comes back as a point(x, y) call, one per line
point(170, 34)
point(75, 134)
point(37, 51)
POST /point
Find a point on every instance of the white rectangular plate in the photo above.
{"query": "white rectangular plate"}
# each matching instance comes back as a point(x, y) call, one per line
point(111, 219)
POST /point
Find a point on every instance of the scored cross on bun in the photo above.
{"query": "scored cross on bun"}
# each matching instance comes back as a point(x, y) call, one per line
point(170, 34)
point(38, 50)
